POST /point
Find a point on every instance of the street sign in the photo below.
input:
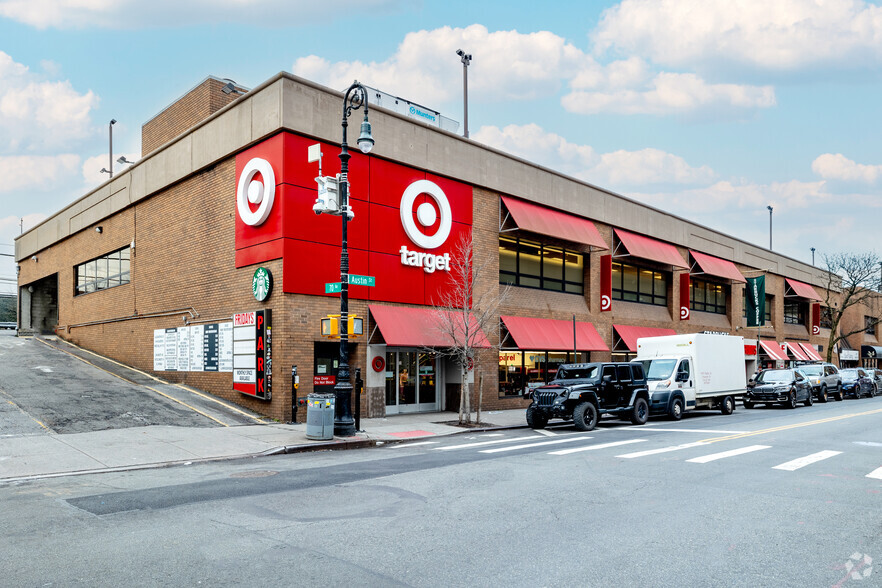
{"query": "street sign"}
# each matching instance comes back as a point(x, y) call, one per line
point(333, 287)
point(356, 280)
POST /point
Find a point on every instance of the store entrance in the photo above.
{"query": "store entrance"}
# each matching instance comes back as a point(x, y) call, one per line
point(412, 381)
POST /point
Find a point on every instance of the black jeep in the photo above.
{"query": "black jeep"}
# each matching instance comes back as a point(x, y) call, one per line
point(583, 392)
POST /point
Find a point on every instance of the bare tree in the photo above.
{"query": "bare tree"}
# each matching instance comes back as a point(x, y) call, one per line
point(851, 279)
point(466, 310)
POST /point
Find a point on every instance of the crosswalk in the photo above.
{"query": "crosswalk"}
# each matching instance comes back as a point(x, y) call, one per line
point(559, 446)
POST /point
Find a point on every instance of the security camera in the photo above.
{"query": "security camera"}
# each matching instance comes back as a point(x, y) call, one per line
point(459, 52)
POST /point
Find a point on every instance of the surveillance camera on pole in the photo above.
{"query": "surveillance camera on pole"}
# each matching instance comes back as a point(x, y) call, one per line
point(328, 197)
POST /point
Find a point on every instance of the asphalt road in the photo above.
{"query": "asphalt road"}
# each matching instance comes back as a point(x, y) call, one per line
point(764, 497)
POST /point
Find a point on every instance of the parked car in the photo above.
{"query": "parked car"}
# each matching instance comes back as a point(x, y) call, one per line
point(856, 382)
point(824, 379)
point(583, 392)
point(7, 325)
point(786, 387)
point(876, 376)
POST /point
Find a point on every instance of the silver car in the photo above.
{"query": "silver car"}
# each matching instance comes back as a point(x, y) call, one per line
point(876, 376)
point(824, 379)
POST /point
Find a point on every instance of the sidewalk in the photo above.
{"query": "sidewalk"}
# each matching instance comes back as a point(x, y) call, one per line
point(30, 457)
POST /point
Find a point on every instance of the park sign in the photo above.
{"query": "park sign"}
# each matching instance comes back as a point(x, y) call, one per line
point(755, 295)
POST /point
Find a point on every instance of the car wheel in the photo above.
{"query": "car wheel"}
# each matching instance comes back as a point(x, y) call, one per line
point(727, 406)
point(873, 391)
point(640, 412)
point(838, 396)
point(809, 400)
point(747, 403)
point(585, 416)
point(676, 412)
point(536, 419)
point(791, 400)
point(822, 395)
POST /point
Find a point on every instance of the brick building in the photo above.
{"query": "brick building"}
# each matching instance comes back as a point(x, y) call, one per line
point(151, 267)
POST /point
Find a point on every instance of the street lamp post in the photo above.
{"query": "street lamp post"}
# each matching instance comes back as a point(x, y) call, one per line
point(770, 227)
point(355, 98)
point(109, 169)
point(813, 256)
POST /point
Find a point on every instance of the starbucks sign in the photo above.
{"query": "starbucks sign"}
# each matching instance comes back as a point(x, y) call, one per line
point(262, 284)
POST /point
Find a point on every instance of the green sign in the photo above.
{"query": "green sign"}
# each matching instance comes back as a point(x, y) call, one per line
point(262, 284)
point(755, 295)
point(333, 287)
point(356, 280)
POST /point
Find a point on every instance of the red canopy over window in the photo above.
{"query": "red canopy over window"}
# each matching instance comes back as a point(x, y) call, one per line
point(715, 266)
point(554, 223)
point(647, 248)
point(773, 350)
point(630, 334)
point(423, 327)
point(552, 335)
point(803, 290)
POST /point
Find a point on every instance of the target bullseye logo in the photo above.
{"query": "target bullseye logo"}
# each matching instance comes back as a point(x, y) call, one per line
point(816, 330)
point(684, 313)
point(426, 214)
point(605, 303)
point(251, 191)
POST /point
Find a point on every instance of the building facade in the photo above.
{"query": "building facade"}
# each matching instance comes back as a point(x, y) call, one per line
point(205, 264)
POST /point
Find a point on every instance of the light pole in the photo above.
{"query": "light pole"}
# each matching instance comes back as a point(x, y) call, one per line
point(466, 59)
point(770, 227)
point(355, 98)
point(813, 256)
point(109, 169)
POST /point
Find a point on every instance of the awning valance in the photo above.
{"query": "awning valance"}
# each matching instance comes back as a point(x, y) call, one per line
point(802, 289)
point(773, 350)
point(424, 327)
point(648, 248)
point(552, 335)
point(796, 351)
point(715, 266)
point(871, 352)
point(811, 352)
point(629, 334)
point(553, 223)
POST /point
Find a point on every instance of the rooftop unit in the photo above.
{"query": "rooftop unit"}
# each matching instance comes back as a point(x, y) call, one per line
point(411, 109)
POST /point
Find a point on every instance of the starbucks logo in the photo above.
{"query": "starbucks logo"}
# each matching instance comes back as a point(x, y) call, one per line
point(262, 284)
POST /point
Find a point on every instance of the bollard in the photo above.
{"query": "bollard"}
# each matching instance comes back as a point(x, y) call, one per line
point(295, 384)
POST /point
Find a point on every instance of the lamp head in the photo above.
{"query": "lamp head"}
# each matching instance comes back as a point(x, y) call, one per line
point(460, 52)
point(770, 208)
point(113, 121)
point(365, 140)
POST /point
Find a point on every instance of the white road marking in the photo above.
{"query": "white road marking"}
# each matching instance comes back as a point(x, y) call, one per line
point(868, 443)
point(415, 444)
point(601, 446)
point(725, 454)
point(491, 435)
point(807, 460)
point(546, 433)
point(662, 450)
point(877, 474)
point(480, 443)
point(539, 444)
point(690, 430)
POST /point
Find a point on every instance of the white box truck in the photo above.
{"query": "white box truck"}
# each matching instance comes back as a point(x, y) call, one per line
point(688, 372)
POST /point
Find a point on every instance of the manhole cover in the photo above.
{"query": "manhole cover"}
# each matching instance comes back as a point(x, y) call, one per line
point(255, 474)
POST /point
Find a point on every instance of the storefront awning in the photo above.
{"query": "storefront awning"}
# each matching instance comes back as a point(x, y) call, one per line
point(647, 248)
point(424, 327)
point(811, 352)
point(715, 266)
point(802, 290)
point(552, 335)
point(796, 351)
point(554, 223)
point(630, 334)
point(773, 350)
point(871, 352)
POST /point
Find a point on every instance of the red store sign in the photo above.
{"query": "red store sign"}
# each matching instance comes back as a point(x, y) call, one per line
point(406, 225)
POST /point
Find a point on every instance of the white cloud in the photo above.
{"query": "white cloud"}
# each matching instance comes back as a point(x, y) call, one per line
point(23, 172)
point(731, 195)
point(508, 65)
point(616, 169)
point(783, 34)
point(37, 114)
point(128, 14)
point(839, 167)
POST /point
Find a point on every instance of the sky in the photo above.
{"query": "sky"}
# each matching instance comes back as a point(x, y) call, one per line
point(710, 109)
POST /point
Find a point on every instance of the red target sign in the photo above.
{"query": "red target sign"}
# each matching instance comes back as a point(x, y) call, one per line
point(378, 363)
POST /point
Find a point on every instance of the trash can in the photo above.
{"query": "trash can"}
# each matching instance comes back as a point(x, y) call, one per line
point(320, 416)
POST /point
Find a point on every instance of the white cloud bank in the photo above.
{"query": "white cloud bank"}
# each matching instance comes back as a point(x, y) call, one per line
point(839, 167)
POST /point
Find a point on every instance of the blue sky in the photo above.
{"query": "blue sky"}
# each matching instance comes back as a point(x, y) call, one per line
point(710, 109)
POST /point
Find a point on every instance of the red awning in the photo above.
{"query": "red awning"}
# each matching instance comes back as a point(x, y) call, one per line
point(811, 352)
point(802, 290)
point(715, 266)
point(423, 327)
point(647, 248)
point(773, 350)
point(630, 334)
point(554, 223)
point(552, 335)
point(796, 351)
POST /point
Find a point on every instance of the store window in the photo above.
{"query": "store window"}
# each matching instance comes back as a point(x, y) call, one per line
point(105, 272)
point(634, 284)
point(707, 296)
point(826, 317)
point(520, 371)
point(794, 312)
point(768, 307)
point(870, 325)
point(533, 265)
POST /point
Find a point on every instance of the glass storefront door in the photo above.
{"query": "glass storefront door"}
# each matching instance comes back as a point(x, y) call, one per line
point(411, 381)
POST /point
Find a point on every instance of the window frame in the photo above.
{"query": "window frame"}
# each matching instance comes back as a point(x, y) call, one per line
point(88, 278)
point(705, 306)
point(544, 278)
point(798, 318)
point(638, 296)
